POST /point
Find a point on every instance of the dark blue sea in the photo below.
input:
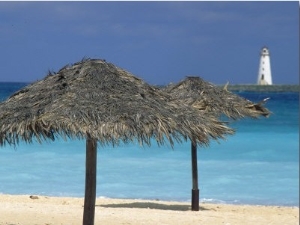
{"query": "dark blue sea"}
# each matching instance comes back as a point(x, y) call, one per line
point(258, 165)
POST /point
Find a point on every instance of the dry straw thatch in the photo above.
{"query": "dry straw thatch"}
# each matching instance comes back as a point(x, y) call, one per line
point(205, 96)
point(108, 103)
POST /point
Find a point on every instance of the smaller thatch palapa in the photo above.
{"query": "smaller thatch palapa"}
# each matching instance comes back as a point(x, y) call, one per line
point(205, 96)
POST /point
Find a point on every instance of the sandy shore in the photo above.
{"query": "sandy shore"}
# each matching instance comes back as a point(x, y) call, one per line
point(42, 210)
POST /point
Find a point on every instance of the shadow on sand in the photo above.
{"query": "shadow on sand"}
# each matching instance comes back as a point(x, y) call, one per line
point(150, 205)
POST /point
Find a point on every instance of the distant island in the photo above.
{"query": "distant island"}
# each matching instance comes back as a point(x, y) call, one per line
point(255, 87)
point(262, 88)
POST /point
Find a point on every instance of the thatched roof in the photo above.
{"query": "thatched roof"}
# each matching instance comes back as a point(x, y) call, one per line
point(96, 98)
point(205, 96)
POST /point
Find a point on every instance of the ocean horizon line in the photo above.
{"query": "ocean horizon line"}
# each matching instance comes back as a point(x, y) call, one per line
point(217, 84)
point(230, 87)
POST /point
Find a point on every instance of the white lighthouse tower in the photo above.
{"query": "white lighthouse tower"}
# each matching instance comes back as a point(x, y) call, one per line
point(264, 71)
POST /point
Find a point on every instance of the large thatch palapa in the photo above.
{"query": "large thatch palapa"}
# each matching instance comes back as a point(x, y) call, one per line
point(104, 101)
point(207, 97)
point(99, 102)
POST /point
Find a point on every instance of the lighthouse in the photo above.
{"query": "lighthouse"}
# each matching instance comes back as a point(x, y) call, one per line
point(264, 71)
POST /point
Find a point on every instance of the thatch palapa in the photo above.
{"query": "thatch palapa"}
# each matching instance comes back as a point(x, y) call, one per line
point(206, 97)
point(107, 102)
point(99, 102)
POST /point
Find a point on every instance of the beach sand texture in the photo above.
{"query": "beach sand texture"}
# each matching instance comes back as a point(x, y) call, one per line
point(43, 210)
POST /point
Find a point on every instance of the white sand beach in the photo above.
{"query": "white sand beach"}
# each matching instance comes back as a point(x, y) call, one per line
point(43, 210)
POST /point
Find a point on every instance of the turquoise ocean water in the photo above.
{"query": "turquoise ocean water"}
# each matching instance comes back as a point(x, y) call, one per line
point(257, 165)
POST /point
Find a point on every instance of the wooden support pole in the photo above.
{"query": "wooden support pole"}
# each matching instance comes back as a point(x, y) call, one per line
point(195, 190)
point(90, 181)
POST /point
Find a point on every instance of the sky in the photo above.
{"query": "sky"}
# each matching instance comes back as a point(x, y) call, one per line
point(160, 42)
